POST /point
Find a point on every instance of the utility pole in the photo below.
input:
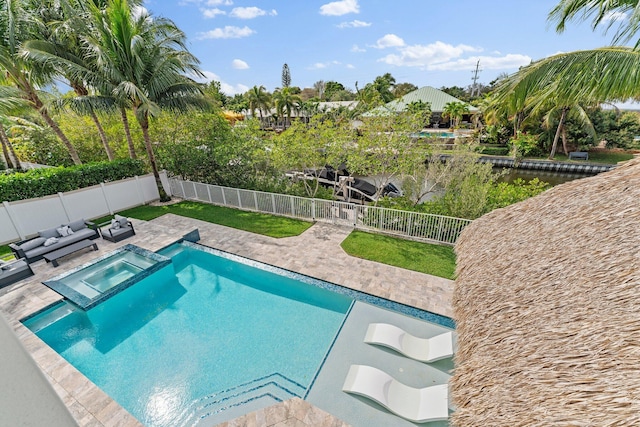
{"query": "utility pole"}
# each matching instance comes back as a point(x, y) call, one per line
point(475, 90)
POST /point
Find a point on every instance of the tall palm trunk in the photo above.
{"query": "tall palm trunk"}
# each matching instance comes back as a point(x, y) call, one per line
point(103, 136)
point(39, 106)
point(127, 132)
point(80, 90)
point(6, 147)
point(144, 125)
point(564, 141)
point(554, 147)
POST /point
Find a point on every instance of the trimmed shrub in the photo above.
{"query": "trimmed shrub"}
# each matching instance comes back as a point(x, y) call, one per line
point(47, 181)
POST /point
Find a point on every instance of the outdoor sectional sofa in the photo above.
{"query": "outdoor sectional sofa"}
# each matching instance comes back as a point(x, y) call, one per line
point(34, 249)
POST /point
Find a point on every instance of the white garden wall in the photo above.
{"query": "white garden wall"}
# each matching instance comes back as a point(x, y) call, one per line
point(22, 219)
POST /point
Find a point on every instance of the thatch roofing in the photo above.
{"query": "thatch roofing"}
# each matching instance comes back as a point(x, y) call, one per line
point(547, 305)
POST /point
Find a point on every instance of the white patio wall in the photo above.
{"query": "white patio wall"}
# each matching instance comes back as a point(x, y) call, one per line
point(22, 219)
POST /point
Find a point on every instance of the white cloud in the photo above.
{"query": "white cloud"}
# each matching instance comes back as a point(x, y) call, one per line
point(389, 40)
point(212, 13)
point(206, 2)
point(322, 65)
point(239, 64)
point(249, 12)
point(354, 24)
point(506, 62)
point(350, 66)
point(138, 11)
point(443, 56)
point(226, 88)
point(356, 48)
point(339, 8)
point(227, 32)
point(614, 16)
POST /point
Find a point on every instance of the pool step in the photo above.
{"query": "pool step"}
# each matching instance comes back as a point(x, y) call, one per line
point(239, 400)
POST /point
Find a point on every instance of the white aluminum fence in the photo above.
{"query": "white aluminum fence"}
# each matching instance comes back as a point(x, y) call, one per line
point(438, 228)
point(23, 218)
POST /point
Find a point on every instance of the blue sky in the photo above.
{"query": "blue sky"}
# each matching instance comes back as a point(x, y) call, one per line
point(242, 43)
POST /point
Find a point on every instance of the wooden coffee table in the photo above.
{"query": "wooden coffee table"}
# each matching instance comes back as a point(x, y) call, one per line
point(53, 257)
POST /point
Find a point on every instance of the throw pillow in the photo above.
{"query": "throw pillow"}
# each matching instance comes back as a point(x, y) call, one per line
point(77, 225)
point(49, 232)
point(51, 241)
point(64, 231)
point(121, 219)
point(115, 224)
point(33, 243)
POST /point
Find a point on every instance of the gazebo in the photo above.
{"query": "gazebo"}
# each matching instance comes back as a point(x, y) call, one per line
point(547, 306)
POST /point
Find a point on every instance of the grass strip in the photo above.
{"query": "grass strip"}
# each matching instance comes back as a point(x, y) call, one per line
point(437, 260)
point(268, 225)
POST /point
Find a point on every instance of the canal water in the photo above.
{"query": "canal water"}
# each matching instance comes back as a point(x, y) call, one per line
point(553, 178)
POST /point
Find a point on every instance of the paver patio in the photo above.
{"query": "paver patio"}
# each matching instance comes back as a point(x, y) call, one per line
point(316, 253)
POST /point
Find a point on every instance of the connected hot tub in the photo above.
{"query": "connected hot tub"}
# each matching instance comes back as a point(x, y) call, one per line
point(90, 284)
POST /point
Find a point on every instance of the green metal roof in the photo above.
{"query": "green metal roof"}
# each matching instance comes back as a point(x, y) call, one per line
point(427, 94)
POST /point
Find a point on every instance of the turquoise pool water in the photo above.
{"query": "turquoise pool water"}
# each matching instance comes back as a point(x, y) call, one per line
point(199, 337)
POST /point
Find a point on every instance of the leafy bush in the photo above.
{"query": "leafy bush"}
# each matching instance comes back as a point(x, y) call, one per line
point(493, 151)
point(46, 181)
point(526, 145)
point(505, 194)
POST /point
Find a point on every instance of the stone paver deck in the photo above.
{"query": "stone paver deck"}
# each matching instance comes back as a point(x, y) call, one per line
point(316, 253)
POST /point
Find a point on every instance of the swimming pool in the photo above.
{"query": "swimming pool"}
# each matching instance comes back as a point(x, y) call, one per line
point(199, 337)
point(208, 338)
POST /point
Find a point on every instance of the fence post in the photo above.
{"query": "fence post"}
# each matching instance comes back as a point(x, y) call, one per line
point(255, 200)
point(440, 228)
point(313, 210)
point(14, 220)
point(273, 202)
point(224, 198)
point(106, 199)
point(209, 193)
point(195, 193)
point(184, 194)
point(64, 205)
point(239, 198)
point(139, 190)
point(293, 206)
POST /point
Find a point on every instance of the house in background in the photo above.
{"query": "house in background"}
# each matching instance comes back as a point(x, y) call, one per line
point(437, 99)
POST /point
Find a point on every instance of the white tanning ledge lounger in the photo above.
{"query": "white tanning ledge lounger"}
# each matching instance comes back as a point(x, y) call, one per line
point(422, 349)
point(414, 404)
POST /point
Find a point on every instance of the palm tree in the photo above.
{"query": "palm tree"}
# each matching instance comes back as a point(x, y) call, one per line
point(10, 101)
point(455, 110)
point(67, 25)
point(285, 102)
point(258, 99)
point(18, 25)
point(384, 85)
point(148, 60)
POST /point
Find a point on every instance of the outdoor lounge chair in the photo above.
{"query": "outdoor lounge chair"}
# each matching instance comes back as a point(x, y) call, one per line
point(414, 404)
point(421, 349)
point(119, 228)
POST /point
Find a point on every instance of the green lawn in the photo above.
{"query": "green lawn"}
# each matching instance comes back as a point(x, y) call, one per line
point(427, 258)
point(268, 225)
point(606, 157)
point(436, 260)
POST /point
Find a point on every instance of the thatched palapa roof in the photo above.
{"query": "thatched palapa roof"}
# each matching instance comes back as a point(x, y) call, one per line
point(547, 305)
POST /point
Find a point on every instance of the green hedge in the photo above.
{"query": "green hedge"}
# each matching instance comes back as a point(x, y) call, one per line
point(46, 181)
point(493, 151)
